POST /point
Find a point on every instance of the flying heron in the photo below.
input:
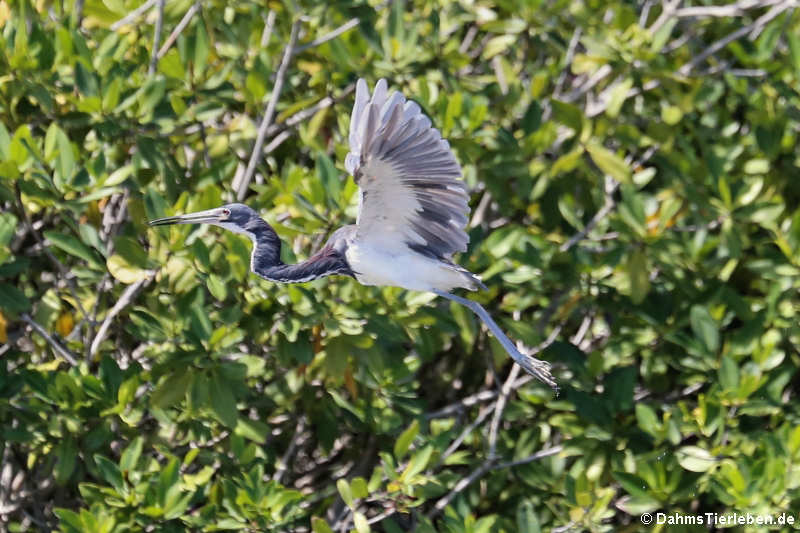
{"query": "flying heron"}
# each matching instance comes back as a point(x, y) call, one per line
point(412, 211)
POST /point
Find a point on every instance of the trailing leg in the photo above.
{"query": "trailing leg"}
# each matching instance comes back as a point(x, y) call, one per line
point(533, 366)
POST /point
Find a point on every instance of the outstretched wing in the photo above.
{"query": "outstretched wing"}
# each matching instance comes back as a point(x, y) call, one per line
point(410, 183)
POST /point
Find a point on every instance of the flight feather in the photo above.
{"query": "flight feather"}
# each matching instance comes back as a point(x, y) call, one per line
point(410, 181)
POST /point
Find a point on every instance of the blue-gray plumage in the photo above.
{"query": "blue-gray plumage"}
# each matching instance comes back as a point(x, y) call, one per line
point(412, 213)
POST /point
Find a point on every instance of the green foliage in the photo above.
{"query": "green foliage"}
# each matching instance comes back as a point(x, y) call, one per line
point(630, 192)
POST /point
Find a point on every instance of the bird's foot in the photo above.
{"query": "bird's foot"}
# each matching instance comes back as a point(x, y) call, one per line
point(536, 367)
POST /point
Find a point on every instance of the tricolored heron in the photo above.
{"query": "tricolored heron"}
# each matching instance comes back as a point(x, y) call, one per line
point(411, 215)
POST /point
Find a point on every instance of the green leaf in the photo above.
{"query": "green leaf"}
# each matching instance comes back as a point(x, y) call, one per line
point(695, 459)
point(405, 439)
point(756, 166)
point(358, 487)
point(252, 429)
point(130, 456)
point(67, 454)
point(793, 41)
point(661, 36)
point(498, 45)
point(217, 288)
point(73, 246)
point(344, 491)
point(617, 97)
point(417, 463)
point(168, 482)
point(728, 374)
point(671, 115)
point(123, 271)
point(452, 112)
point(330, 178)
point(609, 163)
point(70, 520)
point(704, 327)
point(633, 485)
point(12, 299)
point(567, 114)
point(360, 521)
point(639, 274)
point(318, 525)
point(527, 520)
point(110, 473)
point(172, 389)
point(646, 418)
point(201, 48)
point(223, 402)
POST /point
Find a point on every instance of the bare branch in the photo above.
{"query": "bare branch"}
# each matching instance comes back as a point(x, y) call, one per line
point(53, 259)
point(283, 465)
point(133, 15)
point(276, 141)
point(467, 430)
point(728, 10)
point(464, 403)
point(667, 12)
point(269, 25)
point(60, 350)
point(547, 452)
point(179, 28)
point(485, 467)
point(462, 484)
point(608, 206)
point(157, 37)
point(309, 112)
point(352, 23)
point(125, 300)
point(268, 113)
point(499, 407)
point(571, 47)
point(753, 29)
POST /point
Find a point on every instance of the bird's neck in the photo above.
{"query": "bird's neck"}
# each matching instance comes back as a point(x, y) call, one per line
point(266, 259)
point(266, 245)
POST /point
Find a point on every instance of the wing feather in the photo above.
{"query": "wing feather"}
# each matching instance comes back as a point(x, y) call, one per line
point(411, 188)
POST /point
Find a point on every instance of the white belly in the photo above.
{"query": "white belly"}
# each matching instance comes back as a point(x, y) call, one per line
point(401, 268)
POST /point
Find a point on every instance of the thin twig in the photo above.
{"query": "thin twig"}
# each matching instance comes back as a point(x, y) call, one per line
point(276, 141)
point(547, 452)
point(486, 466)
point(133, 15)
point(53, 259)
point(571, 47)
point(63, 352)
point(608, 206)
point(283, 465)
point(125, 300)
point(667, 12)
point(753, 29)
point(269, 112)
point(352, 23)
point(179, 28)
point(499, 408)
point(460, 486)
point(464, 403)
point(269, 24)
point(157, 37)
point(467, 430)
point(309, 112)
point(729, 10)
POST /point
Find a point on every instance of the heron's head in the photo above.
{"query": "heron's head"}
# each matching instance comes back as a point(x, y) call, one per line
point(233, 217)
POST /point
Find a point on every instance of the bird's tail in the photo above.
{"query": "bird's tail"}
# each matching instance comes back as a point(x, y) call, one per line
point(473, 282)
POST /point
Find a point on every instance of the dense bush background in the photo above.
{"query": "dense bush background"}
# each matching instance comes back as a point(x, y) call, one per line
point(634, 178)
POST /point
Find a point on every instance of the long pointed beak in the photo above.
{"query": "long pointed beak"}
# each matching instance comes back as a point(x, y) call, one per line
point(211, 216)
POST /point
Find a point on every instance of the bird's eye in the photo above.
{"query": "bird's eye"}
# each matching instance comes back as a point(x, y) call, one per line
point(226, 212)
